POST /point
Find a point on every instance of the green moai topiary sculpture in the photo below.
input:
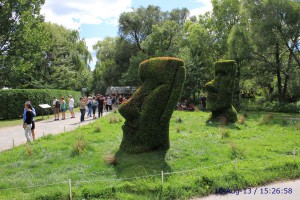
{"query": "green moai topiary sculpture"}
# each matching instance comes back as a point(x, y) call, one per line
point(148, 111)
point(220, 91)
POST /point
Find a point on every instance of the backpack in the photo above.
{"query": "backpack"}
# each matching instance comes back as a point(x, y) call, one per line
point(95, 104)
point(89, 104)
point(57, 104)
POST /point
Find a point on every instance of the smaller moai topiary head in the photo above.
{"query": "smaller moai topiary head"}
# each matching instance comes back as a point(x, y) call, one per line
point(220, 91)
point(148, 111)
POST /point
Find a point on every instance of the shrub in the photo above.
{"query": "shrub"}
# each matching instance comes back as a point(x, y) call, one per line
point(110, 159)
point(178, 130)
point(98, 128)
point(178, 120)
point(242, 119)
point(149, 110)
point(298, 126)
point(271, 106)
point(224, 133)
point(266, 119)
point(220, 92)
point(80, 146)
point(12, 101)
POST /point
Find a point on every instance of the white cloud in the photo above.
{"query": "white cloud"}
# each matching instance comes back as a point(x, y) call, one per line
point(90, 42)
point(73, 13)
point(207, 6)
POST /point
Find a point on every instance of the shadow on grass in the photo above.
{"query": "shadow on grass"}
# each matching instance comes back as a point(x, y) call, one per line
point(143, 164)
point(218, 124)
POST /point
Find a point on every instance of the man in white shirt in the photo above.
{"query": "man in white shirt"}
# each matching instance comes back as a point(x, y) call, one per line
point(71, 106)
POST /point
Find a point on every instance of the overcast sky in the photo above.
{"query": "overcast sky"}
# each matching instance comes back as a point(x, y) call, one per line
point(96, 19)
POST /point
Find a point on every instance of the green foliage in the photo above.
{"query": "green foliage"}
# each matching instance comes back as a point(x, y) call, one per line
point(113, 55)
point(21, 39)
point(164, 40)
point(197, 54)
point(147, 125)
point(273, 106)
point(12, 101)
point(79, 146)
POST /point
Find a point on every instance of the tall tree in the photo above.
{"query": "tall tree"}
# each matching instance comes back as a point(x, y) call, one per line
point(275, 32)
point(20, 35)
point(196, 51)
point(226, 13)
point(239, 49)
point(113, 60)
point(164, 39)
point(137, 25)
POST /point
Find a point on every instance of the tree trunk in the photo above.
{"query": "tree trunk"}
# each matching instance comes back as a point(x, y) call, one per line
point(287, 77)
point(277, 64)
point(236, 92)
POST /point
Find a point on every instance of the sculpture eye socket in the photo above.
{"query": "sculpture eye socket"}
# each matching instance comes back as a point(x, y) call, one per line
point(220, 73)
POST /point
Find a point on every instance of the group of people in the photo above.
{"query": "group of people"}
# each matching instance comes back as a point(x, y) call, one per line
point(188, 106)
point(86, 104)
point(61, 105)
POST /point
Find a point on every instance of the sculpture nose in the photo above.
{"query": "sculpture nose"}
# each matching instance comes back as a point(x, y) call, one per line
point(211, 87)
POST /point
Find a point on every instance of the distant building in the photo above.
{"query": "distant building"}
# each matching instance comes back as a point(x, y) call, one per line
point(125, 90)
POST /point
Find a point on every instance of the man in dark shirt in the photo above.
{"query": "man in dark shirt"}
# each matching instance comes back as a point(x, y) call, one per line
point(100, 101)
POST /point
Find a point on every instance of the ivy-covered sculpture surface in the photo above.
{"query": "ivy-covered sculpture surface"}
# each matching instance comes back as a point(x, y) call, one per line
point(148, 111)
point(220, 91)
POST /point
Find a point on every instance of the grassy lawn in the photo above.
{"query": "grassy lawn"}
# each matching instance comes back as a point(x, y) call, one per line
point(16, 122)
point(202, 158)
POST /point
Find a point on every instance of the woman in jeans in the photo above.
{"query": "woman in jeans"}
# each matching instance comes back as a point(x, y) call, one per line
point(28, 122)
point(82, 104)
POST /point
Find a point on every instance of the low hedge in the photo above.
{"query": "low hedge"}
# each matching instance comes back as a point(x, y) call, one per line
point(12, 101)
point(252, 105)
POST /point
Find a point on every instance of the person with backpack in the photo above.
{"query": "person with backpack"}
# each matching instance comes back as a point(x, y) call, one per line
point(27, 124)
point(32, 123)
point(55, 107)
point(63, 107)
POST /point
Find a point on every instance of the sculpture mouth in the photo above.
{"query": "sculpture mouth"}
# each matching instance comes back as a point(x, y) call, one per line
point(127, 126)
point(212, 95)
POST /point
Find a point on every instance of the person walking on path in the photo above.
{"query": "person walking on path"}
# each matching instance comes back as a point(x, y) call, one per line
point(108, 104)
point(27, 125)
point(100, 100)
point(89, 105)
point(82, 104)
point(32, 123)
point(71, 106)
point(94, 106)
point(56, 106)
point(63, 107)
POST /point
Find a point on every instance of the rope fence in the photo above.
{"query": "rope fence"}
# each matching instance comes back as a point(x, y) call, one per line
point(161, 175)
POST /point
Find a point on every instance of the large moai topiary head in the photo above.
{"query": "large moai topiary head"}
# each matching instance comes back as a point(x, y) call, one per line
point(149, 110)
point(220, 91)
